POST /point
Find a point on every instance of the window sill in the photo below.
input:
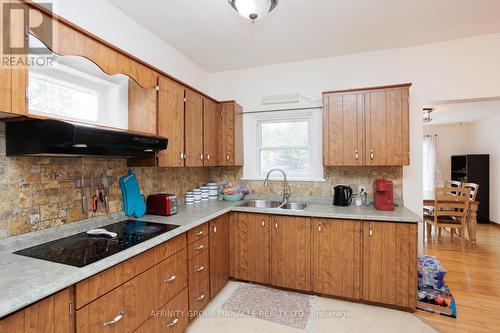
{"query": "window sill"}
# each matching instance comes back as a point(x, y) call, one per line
point(291, 179)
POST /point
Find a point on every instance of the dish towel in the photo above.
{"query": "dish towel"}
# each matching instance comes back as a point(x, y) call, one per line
point(133, 202)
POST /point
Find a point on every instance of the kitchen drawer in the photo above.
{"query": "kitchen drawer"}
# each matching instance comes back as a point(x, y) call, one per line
point(172, 318)
point(199, 295)
point(198, 268)
point(173, 276)
point(197, 233)
point(171, 247)
point(197, 247)
point(123, 309)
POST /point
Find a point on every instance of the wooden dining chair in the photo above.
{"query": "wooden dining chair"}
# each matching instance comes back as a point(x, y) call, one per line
point(450, 211)
point(453, 184)
point(474, 188)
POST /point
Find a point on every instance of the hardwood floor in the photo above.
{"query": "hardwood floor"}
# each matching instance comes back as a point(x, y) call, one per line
point(474, 279)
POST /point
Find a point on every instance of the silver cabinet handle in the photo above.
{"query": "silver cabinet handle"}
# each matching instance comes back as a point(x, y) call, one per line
point(199, 247)
point(201, 156)
point(208, 156)
point(199, 233)
point(357, 155)
point(181, 155)
point(199, 269)
point(170, 279)
point(199, 298)
point(370, 231)
point(115, 320)
point(371, 154)
point(276, 225)
point(185, 156)
point(320, 228)
point(263, 223)
point(228, 156)
point(215, 229)
point(173, 322)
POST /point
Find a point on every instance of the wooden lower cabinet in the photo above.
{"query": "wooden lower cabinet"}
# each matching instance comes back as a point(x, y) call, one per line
point(219, 253)
point(171, 318)
point(53, 314)
point(390, 263)
point(336, 257)
point(291, 252)
point(250, 247)
point(173, 276)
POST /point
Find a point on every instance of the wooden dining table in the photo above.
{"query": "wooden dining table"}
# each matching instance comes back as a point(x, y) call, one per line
point(471, 215)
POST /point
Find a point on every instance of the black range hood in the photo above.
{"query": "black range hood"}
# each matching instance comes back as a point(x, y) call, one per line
point(60, 138)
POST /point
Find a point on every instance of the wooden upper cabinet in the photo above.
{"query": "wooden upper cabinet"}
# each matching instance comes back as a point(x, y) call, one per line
point(171, 122)
point(387, 127)
point(193, 135)
point(230, 135)
point(343, 118)
point(366, 126)
point(219, 253)
point(5, 72)
point(390, 263)
point(291, 252)
point(336, 263)
point(250, 247)
point(142, 108)
point(211, 113)
point(54, 314)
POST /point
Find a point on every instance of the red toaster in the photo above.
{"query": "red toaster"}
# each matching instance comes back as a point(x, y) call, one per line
point(161, 204)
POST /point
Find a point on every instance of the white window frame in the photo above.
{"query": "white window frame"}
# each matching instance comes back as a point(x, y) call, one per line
point(252, 146)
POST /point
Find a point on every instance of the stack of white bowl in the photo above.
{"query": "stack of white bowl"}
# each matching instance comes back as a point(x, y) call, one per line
point(213, 191)
point(197, 195)
point(204, 193)
point(189, 198)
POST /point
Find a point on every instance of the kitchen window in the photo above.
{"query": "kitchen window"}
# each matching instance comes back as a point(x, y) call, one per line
point(289, 140)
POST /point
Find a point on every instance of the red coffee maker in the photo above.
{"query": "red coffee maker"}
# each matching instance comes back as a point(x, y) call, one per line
point(383, 194)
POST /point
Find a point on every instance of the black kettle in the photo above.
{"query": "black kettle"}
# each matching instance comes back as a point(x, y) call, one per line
point(342, 195)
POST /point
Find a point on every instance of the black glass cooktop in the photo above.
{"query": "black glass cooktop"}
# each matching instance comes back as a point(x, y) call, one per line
point(81, 249)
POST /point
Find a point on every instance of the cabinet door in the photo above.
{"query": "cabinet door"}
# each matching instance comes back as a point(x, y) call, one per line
point(390, 263)
point(142, 108)
point(387, 127)
point(5, 72)
point(171, 122)
point(336, 257)
point(219, 254)
point(210, 131)
point(19, 72)
point(344, 129)
point(226, 135)
point(238, 136)
point(194, 129)
point(291, 252)
point(376, 128)
point(53, 314)
point(251, 247)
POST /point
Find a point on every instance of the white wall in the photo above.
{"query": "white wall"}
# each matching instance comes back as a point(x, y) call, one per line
point(452, 140)
point(466, 68)
point(108, 22)
point(484, 139)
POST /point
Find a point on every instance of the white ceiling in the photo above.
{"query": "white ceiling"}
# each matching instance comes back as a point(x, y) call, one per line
point(210, 32)
point(464, 112)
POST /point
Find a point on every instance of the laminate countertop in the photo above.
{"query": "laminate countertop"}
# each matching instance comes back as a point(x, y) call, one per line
point(25, 280)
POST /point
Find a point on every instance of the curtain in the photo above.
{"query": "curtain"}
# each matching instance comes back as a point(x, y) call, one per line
point(432, 175)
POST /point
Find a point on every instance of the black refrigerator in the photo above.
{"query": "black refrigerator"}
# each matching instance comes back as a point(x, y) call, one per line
point(475, 168)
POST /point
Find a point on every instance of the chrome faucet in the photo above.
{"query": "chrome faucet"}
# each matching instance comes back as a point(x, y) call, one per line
point(286, 187)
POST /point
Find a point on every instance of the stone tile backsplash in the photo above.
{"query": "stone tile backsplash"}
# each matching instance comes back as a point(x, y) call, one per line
point(38, 192)
point(352, 176)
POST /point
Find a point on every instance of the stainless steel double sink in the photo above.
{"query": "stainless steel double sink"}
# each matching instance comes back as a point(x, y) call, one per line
point(275, 204)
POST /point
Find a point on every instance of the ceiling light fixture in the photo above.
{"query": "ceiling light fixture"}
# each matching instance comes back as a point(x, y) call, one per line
point(253, 9)
point(427, 115)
